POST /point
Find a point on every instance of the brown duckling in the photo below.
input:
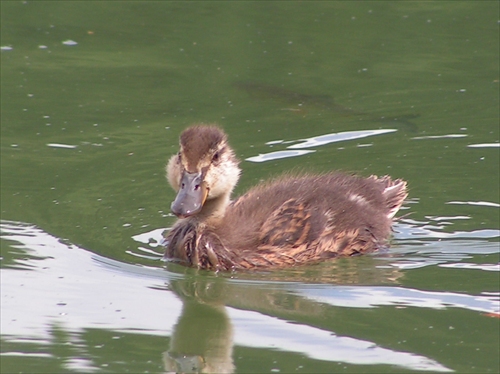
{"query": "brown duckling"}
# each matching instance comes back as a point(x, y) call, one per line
point(289, 221)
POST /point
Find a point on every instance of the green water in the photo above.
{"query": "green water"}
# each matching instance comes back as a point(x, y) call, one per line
point(86, 130)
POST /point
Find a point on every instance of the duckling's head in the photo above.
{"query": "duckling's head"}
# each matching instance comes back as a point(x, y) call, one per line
point(205, 170)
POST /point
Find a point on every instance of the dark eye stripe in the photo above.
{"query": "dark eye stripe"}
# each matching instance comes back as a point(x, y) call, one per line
point(217, 155)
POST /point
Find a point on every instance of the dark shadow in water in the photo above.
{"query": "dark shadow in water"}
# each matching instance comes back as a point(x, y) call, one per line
point(302, 101)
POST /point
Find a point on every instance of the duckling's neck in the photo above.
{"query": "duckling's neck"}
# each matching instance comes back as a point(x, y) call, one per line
point(213, 210)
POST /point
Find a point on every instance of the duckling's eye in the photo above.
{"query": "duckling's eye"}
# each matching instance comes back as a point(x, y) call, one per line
point(215, 157)
point(179, 158)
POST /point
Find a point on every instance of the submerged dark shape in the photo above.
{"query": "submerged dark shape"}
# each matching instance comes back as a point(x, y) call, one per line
point(300, 101)
point(288, 221)
point(265, 91)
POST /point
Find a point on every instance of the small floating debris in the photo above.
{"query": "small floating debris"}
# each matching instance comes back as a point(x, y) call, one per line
point(484, 145)
point(42, 46)
point(277, 155)
point(58, 145)
point(69, 42)
point(6, 48)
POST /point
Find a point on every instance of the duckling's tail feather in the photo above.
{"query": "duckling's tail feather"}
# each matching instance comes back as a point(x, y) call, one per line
point(395, 192)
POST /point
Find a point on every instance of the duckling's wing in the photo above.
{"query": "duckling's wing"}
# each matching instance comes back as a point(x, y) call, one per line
point(288, 226)
point(291, 235)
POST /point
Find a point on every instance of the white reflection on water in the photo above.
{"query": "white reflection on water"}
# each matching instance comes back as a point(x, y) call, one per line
point(479, 203)
point(447, 136)
point(405, 230)
point(277, 155)
point(316, 141)
point(371, 297)
point(467, 265)
point(484, 145)
point(257, 330)
point(438, 218)
point(419, 244)
point(58, 145)
point(78, 290)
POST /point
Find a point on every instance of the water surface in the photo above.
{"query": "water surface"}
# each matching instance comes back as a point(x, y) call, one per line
point(94, 96)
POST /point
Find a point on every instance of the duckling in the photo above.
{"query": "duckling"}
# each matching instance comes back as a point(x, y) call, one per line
point(288, 221)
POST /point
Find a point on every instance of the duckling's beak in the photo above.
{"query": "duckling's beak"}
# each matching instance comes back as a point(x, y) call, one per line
point(191, 196)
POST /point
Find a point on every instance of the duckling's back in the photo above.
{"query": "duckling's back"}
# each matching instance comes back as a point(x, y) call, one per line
point(293, 220)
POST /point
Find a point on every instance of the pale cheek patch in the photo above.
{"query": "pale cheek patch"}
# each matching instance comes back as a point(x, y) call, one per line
point(173, 173)
point(221, 181)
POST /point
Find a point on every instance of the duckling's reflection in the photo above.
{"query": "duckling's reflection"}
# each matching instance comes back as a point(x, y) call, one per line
point(202, 341)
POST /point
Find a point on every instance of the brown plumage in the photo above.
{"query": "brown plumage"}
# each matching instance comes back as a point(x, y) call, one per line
point(288, 221)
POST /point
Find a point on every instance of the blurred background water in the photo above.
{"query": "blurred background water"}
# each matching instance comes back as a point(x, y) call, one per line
point(93, 98)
